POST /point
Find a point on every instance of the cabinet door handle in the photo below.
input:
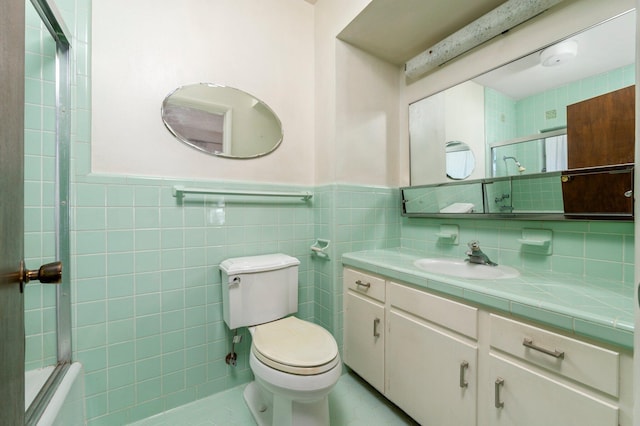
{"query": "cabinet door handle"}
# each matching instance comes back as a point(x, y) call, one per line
point(463, 367)
point(554, 353)
point(499, 382)
point(376, 322)
point(361, 284)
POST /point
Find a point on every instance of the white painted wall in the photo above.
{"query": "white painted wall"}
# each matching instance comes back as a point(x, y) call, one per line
point(357, 104)
point(367, 125)
point(143, 49)
point(344, 112)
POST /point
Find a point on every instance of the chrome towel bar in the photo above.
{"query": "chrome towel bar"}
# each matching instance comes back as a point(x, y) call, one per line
point(180, 191)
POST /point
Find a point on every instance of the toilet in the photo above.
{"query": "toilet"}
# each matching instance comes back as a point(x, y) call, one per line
point(295, 362)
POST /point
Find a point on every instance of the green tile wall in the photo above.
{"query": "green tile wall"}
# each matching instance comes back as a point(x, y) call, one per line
point(353, 218)
point(599, 249)
point(147, 293)
point(530, 111)
point(506, 118)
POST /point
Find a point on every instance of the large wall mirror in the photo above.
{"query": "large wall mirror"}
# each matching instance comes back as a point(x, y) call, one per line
point(221, 121)
point(514, 118)
point(553, 134)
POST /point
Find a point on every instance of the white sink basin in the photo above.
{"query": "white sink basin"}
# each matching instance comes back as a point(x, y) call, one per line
point(462, 269)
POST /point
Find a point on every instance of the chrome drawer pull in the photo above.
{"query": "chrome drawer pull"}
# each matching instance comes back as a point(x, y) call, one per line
point(499, 382)
point(463, 366)
point(361, 284)
point(376, 322)
point(555, 353)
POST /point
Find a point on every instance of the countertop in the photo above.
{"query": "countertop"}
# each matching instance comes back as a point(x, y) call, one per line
point(594, 308)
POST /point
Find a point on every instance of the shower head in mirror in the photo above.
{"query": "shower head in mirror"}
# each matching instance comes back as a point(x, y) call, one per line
point(521, 168)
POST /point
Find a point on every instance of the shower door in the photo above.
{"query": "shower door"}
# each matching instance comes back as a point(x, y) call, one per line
point(46, 186)
point(11, 211)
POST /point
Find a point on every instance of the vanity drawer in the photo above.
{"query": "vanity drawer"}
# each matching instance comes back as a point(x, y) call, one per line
point(585, 363)
point(364, 283)
point(455, 316)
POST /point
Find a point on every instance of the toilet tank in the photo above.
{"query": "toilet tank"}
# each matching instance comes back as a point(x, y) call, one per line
point(259, 289)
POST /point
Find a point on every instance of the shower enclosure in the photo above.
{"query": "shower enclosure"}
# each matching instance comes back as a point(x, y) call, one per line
point(46, 201)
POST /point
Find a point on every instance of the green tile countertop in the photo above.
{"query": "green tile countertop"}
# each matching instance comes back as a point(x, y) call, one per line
point(590, 307)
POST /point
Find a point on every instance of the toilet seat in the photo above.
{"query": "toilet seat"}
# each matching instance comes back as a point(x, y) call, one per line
point(294, 346)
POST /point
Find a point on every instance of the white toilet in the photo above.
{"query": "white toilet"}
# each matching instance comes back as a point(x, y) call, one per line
point(295, 363)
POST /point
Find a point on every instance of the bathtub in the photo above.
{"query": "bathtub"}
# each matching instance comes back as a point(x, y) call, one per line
point(66, 406)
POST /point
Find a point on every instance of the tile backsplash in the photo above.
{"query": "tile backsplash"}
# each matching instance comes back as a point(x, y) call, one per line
point(601, 249)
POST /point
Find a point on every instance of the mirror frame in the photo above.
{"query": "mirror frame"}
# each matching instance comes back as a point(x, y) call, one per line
point(227, 113)
point(486, 214)
point(483, 214)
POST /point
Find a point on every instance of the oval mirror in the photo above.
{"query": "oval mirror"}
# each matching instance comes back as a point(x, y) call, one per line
point(221, 121)
point(459, 159)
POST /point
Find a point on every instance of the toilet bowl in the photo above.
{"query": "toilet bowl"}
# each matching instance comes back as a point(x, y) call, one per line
point(295, 364)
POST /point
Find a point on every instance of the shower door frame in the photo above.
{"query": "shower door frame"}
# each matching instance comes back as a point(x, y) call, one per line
point(52, 19)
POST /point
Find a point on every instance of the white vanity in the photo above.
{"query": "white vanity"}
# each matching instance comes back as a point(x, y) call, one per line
point(448, 353)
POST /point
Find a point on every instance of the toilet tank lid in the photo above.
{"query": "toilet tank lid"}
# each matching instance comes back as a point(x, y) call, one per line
point(261, 263)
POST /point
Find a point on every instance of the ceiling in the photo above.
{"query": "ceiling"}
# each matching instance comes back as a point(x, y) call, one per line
point(397, 30)
point(602, 48)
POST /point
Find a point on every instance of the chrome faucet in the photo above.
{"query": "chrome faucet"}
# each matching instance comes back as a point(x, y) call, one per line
point(477, 256)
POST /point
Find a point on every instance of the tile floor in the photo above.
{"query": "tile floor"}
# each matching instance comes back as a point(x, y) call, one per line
point(351, 403)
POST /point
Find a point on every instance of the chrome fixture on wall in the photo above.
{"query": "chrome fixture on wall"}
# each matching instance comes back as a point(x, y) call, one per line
point(521, 168)
point(499, 20)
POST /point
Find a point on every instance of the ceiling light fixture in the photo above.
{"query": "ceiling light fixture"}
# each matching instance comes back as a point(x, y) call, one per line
point(499, 20)
point(559, 54)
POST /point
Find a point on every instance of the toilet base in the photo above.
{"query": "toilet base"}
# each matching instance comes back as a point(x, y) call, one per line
point(270, 410)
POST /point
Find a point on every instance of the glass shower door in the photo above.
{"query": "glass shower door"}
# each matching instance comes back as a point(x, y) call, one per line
point(46, 212)
point(39, 189)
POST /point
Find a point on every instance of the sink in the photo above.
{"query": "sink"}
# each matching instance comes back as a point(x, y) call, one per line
point(462, 269)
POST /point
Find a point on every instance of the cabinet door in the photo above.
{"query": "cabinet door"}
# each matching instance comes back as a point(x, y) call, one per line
point(529, 398)
point(364, 338)
point(601, 130)
point(430, 375)
point(595, 193)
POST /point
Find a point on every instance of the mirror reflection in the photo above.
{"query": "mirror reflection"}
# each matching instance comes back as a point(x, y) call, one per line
point(545, 152)
point(524, 104)
point(221, 121)
point(538, 196)
point(464, 198)
point(459, 159)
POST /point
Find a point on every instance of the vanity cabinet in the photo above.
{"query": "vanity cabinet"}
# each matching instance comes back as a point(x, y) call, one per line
point(445, 362)
point(541, 377)
point(524, 397)
point(364, 334)
point(431, 357)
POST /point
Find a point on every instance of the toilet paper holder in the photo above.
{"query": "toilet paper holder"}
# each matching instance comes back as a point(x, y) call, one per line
point(319, 248)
